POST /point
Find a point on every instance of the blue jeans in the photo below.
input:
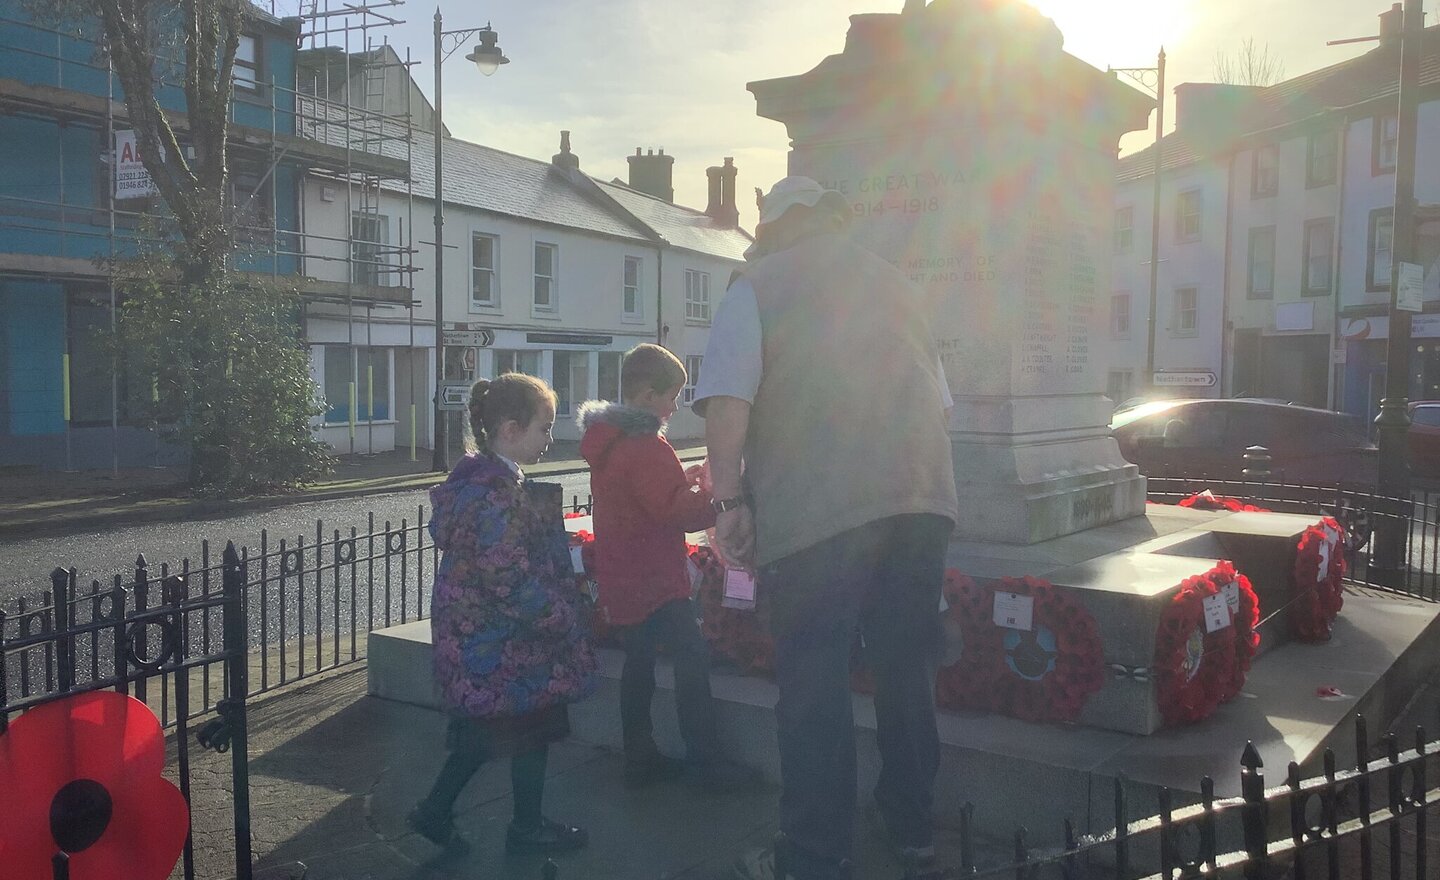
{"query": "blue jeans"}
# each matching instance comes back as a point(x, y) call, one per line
point(885, 579)
point(672, 625)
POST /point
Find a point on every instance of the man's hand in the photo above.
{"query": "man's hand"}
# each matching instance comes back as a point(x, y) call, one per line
point(735, 532)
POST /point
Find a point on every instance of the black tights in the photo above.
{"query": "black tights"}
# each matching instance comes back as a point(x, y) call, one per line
point(527, 781)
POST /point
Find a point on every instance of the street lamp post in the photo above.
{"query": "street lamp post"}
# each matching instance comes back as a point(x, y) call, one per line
point(1152, 77)
point(487, 58)
point(1393, 423)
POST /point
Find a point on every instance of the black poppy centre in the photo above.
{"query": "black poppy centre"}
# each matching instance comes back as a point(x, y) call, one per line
point(79, 814)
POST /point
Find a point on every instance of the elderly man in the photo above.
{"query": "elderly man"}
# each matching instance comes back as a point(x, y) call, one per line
point(822, 377)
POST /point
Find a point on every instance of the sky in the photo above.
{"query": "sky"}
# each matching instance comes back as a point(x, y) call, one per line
point(671, 74)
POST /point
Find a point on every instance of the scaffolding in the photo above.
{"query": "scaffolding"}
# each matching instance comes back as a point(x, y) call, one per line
point(337, 125)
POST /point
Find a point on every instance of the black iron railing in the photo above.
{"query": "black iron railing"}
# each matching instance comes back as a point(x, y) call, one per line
point(149, 639)
point(1369, 819)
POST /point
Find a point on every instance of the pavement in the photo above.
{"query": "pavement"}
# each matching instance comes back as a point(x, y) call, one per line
point(39, 502)
point(333, 773)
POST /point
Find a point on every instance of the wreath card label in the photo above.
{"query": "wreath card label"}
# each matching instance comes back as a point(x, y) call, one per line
point(739, 589)
point(1217, 612)
point(1231, 592)
point(1015, 611)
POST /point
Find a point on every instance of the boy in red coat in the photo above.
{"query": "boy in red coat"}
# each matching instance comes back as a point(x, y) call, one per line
point(645, 502)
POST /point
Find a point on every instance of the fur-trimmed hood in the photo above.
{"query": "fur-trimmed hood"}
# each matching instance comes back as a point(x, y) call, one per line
point(631, 420)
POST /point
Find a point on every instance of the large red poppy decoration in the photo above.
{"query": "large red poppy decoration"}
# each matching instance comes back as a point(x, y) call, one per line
point(82, 776)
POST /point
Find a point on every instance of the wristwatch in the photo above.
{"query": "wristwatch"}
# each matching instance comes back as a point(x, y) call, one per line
point(722, 505)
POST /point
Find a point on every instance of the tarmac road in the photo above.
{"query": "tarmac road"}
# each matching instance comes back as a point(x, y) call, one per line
point(25, 564)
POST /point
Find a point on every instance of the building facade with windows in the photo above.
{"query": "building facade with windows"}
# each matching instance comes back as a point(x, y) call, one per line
point(64, 211)
point(547, 271)
point(1303, 173)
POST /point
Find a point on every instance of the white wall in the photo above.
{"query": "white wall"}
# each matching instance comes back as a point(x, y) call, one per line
point(1366, 191)
point(1198, 264)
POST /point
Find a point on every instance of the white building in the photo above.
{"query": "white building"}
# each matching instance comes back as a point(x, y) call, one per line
point(547, 271)
point(1292, 287)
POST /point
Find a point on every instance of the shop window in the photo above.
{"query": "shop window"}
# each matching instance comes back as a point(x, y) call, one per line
point(609, 376)
point(344, 365)
point(571, 380)
point(527, 362)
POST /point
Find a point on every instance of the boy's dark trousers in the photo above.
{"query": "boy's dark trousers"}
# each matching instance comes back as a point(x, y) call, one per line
point(885, 578)
point(672, 625)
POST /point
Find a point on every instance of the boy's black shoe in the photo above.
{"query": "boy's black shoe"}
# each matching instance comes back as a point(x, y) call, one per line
point(547, 837)
point(651, 767)
point(438, 830)
point(723, 775)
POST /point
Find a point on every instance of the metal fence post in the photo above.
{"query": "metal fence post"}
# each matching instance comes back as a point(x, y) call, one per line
point(237, 660)
point(1252, 814)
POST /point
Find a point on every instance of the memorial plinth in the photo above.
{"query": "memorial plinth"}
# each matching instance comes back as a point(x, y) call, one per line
point(979, 157)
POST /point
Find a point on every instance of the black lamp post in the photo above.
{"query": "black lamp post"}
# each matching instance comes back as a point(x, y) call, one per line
point(1393, 423)
point(487, 58)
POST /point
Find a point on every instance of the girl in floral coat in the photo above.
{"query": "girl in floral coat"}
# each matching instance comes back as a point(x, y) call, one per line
point(511, 647)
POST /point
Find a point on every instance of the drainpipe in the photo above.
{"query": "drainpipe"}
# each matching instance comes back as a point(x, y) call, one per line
point(1226, 336)
point(659, 296)
point(1336, 261)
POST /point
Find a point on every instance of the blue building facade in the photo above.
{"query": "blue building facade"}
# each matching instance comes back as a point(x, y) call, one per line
point(60, 107)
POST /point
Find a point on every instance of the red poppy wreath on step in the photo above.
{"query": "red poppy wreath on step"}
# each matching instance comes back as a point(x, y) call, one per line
point(82, 776)
point(1045, 671)
point(1194, 667)
point(1317, 582)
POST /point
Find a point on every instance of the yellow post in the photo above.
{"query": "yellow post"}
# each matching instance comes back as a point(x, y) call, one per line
point(352, 416)
point(412, 432)
point(65, 384)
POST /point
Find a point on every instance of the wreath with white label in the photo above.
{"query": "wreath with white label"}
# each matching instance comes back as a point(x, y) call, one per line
point(1030, 650)
point(1317, 581)
point(1195, 652)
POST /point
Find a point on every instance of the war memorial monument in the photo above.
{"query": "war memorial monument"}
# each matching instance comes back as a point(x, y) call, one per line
point(1122, 638)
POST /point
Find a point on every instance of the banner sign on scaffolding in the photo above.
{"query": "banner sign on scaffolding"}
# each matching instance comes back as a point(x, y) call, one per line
point(132, 181)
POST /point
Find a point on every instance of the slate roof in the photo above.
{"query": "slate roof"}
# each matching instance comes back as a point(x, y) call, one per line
point(1373, 76)
point(492, 180)
point(682, 227)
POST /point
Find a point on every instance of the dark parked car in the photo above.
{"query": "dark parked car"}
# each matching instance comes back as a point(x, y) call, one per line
point(1208, 438)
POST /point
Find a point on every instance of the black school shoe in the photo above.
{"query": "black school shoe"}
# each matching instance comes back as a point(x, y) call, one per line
point(439, 830)
point(545, 838)
point(647, 769)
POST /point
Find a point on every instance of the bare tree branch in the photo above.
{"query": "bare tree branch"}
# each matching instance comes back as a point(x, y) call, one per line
point(1249, 66)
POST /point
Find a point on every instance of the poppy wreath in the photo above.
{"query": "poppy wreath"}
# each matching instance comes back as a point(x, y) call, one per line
point(1208, 500)
point(1244, 619)
point(1317, 582)
point(1194, 670)
point(1045, 674)
point(738, 636)
point(83, 776)
point(600, 629)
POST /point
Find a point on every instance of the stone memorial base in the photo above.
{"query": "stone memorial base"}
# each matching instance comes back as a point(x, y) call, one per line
point(1383, 650)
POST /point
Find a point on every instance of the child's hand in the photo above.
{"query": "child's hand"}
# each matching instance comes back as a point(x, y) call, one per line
point(699, 475)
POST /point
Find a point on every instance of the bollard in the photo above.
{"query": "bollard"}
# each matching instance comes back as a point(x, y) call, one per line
point(1257, 464)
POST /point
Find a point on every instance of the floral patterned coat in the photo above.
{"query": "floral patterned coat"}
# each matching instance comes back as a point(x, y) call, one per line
point(509, 632)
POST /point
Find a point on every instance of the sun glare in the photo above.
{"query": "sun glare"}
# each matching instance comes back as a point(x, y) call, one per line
point(1118, 33)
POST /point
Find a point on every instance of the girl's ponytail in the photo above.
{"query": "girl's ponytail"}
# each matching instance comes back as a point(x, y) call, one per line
point(478, 438)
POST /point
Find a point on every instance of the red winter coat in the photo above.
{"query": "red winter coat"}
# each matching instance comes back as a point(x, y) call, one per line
point(644, 505)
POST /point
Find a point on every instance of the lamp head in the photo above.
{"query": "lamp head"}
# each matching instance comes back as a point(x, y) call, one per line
point(487, 56)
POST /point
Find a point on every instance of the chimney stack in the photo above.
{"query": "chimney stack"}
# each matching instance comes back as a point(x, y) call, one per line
point(566, 160)
point(653, 174)
point(722, 194)
point(1392, 26)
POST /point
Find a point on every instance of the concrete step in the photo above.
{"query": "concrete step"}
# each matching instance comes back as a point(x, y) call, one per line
point(1383, 649)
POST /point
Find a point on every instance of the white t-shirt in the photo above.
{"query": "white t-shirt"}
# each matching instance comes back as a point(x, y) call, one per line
point(733, 360)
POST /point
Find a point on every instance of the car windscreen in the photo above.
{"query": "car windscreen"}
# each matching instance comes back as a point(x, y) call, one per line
point(1125, 417)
